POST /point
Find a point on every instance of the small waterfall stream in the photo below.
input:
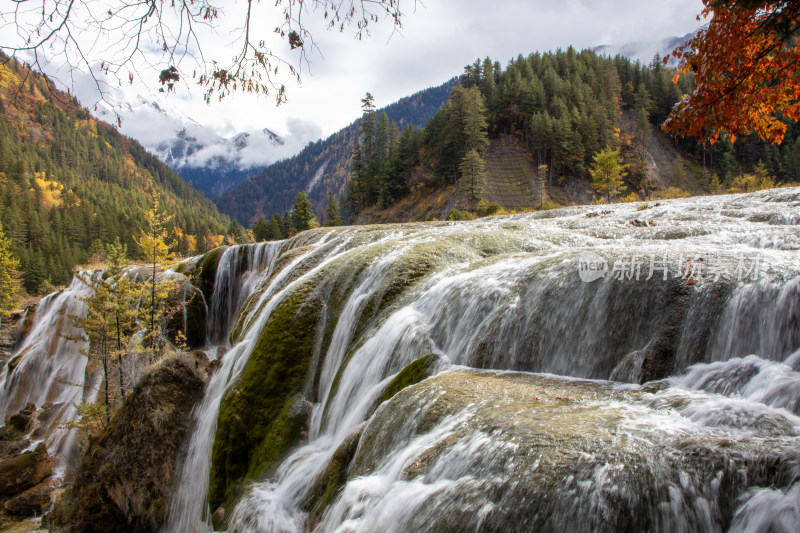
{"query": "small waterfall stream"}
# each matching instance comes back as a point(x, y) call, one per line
point(239, 271)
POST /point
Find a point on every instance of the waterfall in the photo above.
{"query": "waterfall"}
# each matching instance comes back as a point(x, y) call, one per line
point(612, 367)
point(513, 301)
point(238, 271)
point(189, 510)
point(49, 370)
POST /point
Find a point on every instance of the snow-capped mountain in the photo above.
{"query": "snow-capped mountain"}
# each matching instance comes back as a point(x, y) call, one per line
point(645, 51)
point(193, 146)
point(213, 163)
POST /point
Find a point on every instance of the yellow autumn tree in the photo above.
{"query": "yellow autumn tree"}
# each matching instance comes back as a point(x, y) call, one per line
point(10, 287)
point(608, 172)
point(156, 240)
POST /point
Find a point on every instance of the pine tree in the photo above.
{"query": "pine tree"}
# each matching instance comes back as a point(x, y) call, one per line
point(156, 240)
point(368, 127)
point(122, 299)
point(333, 216)
point(261, 229)
point(473, 176)
point(303, 213)
point(274, 231)
point(286, 224)
point(236, 234)
point(96, 326)
point(474, 121)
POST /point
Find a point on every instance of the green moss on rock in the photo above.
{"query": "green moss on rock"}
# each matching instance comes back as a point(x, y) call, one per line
point(22, 472)
point(331, 480)
point(32, 502)
point(412, 374)
point(256, 424)
point(535, 442)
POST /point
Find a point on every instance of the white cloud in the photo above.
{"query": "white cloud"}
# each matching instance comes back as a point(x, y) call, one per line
point(436, 42)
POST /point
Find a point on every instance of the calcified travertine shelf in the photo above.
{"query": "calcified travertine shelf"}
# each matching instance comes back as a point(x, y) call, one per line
point(691, 307)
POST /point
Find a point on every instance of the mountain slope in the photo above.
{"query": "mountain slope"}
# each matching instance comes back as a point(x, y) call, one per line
point(323, 166)
point(540, 124)
point(70, 183)
point(210, 161)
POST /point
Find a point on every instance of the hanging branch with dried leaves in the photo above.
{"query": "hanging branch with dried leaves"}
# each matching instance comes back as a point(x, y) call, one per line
point(167, 36)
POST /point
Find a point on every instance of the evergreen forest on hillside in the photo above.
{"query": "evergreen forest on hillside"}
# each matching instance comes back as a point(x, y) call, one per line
point(273, 190)
point(565, 108)
point(70, 184)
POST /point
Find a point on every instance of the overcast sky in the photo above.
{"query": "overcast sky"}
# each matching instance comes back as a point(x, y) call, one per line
point(438, 38)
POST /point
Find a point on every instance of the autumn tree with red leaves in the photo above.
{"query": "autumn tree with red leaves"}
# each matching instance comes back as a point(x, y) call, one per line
point(745, 63)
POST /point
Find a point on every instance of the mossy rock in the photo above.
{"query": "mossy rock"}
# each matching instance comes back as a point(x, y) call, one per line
point(413, 373)
point(32, 502)
point(126, 476)
point(249, 308)
point(22, 472)
point(205, 273)
point(257, 424)
point(188, 266)
point(195, 325)
point(525, 452)
point(14, 362)
point(407, 272)
point(330, 481)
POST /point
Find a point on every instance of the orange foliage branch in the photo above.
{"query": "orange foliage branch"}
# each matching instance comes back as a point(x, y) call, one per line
point(746, 64)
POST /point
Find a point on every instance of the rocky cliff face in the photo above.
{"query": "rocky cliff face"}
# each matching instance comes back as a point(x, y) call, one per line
point(125, 476)
point(25, 468)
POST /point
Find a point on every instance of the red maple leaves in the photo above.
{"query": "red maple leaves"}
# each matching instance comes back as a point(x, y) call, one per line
point(746, 67)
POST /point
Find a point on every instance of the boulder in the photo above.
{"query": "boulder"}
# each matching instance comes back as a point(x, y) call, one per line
point(22, 472)
point(500, 451)
point(125, 478)
point(32, 502)
point(22, 420)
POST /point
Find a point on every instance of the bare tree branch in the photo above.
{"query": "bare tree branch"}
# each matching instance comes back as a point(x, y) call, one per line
point(112, 41)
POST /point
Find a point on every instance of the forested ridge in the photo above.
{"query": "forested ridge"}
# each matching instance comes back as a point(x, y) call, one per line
point(273, 190)
point(562, 108)
point(71, 184)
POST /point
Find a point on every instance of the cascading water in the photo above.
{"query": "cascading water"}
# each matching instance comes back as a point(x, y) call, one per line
point(239, 270)
point(507, 296)
point(189, 508)
point(48, 369)
point(691, 307)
